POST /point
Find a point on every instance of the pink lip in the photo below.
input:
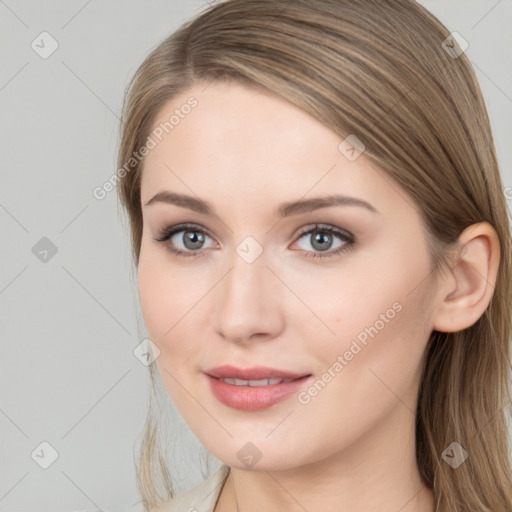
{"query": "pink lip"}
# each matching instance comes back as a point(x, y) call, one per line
point(254, 373)
point(253, 398)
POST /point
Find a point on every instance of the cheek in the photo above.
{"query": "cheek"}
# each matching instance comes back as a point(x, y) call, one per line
point(162, 311)
point(377, 309)
point(153, 299)
point(165, 292)
point(372, 286)
point(169, 299)
point(372, 367)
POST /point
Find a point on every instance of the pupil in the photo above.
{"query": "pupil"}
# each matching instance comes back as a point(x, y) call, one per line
point(194, 238)
point(319, 237)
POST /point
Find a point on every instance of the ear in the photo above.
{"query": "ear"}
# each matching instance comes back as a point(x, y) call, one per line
point(466, 290)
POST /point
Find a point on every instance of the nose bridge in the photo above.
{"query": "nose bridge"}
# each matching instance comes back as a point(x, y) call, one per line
point(249, 265)
point(247, 303)
point(248, 279)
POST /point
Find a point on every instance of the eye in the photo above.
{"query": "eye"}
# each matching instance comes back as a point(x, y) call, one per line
point(323, 239)
point(194, 237)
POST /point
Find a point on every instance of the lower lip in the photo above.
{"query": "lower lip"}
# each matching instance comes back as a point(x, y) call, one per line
point(253, 398)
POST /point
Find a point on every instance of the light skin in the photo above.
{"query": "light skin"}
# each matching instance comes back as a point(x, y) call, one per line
point(351, 447)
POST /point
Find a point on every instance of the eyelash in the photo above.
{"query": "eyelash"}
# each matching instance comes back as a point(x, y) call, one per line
point(346, 237)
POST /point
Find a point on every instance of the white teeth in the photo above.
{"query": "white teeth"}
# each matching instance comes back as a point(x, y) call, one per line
point(262, 382)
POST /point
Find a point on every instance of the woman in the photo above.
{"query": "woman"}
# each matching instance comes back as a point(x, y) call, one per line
point(368, 374)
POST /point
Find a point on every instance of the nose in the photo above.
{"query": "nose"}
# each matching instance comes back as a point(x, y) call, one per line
point(249, 302)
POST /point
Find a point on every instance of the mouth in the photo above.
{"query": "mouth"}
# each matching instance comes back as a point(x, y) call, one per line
point(264, 388)
point(254, 383)
point(255, 373)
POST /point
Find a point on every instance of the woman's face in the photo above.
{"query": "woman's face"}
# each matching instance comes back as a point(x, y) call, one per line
point(257, 286)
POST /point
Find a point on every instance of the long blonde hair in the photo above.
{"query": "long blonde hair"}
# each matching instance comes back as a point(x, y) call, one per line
point(379, 70)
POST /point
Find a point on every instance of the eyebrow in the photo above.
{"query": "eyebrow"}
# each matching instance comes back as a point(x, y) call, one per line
point(284, 210)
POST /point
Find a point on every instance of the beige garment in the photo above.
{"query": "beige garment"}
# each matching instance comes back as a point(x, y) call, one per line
point(202, 497)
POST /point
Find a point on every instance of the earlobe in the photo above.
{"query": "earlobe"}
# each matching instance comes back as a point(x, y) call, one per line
point(466, 290)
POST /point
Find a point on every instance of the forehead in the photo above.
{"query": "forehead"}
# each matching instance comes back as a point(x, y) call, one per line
point(236, 142)
point(235, 122)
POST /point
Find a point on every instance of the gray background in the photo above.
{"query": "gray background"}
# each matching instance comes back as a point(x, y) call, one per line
point(69, 325)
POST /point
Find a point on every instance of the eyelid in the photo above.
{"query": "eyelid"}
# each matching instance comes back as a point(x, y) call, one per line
point(319, 226)
point(169, 231)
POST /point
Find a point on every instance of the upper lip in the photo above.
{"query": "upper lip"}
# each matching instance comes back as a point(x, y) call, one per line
point(254, 373)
